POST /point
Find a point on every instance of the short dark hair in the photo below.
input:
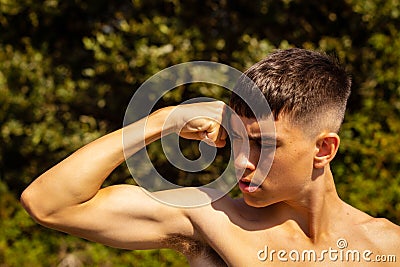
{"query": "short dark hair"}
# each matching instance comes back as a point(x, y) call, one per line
point(308, 87)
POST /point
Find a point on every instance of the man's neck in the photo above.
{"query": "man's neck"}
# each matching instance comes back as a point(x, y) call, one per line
point(316, 207)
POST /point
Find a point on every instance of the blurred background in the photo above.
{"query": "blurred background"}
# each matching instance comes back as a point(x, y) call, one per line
point(68, 69)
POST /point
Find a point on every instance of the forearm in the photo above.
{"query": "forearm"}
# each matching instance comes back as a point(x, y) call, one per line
point(79, 177)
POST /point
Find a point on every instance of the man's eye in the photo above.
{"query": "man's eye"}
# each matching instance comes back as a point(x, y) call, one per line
point(235, 137)
point(266, 145)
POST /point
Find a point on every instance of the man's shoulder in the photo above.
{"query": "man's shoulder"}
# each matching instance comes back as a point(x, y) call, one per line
point(372, 224)
point(382, 232)
point(217, 207)
point(382, 225)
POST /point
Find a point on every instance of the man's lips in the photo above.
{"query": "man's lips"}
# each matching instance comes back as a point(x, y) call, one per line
point(246, 186)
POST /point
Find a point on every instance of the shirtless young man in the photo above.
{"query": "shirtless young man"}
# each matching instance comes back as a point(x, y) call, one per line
point(295, 211)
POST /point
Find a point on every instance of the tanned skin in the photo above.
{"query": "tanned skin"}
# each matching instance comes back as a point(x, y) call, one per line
point(295, 208)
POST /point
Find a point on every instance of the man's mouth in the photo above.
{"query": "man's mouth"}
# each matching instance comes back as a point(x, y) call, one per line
point(246, 186)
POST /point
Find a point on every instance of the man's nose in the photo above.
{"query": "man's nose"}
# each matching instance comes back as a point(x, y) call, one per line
point(243, 160)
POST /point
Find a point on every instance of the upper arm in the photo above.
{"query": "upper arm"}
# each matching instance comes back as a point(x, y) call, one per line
point(123, 216)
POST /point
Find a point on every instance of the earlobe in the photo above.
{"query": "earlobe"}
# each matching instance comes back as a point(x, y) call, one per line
point(326, 149)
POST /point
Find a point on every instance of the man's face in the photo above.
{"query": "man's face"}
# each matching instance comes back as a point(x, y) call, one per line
point(290, 175)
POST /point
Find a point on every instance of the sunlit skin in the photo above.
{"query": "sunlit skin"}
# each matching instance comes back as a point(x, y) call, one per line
point(293, 170)
point(299, 173)
point(295, 207)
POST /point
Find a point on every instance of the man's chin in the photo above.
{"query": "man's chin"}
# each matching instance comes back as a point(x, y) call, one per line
point(254, 202)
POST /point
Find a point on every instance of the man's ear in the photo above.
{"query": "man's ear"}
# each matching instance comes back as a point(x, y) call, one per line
point(326, 148)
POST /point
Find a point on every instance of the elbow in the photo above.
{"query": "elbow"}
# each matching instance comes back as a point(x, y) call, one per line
point(32, 204)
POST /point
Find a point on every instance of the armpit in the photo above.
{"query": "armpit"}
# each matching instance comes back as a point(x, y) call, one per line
point(194, 250)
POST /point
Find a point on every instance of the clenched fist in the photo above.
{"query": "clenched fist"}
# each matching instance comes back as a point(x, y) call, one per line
point(200, 121)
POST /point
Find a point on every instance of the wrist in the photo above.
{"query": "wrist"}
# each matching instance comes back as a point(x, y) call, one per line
point(162, 121)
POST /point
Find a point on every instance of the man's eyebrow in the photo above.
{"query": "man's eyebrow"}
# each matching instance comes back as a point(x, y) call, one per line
point(267, 137)
point(260, 137)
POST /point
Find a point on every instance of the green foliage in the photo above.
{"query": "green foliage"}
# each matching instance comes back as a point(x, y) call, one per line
point(367, 170)
point(69, 68)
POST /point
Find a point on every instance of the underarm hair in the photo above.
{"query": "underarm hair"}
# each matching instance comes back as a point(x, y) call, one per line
point(192, 248)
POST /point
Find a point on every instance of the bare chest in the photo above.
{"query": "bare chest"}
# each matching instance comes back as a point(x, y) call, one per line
point(279, 247)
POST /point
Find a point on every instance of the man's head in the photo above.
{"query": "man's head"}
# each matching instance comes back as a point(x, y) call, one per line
point(308, 88)
point(307, 94)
